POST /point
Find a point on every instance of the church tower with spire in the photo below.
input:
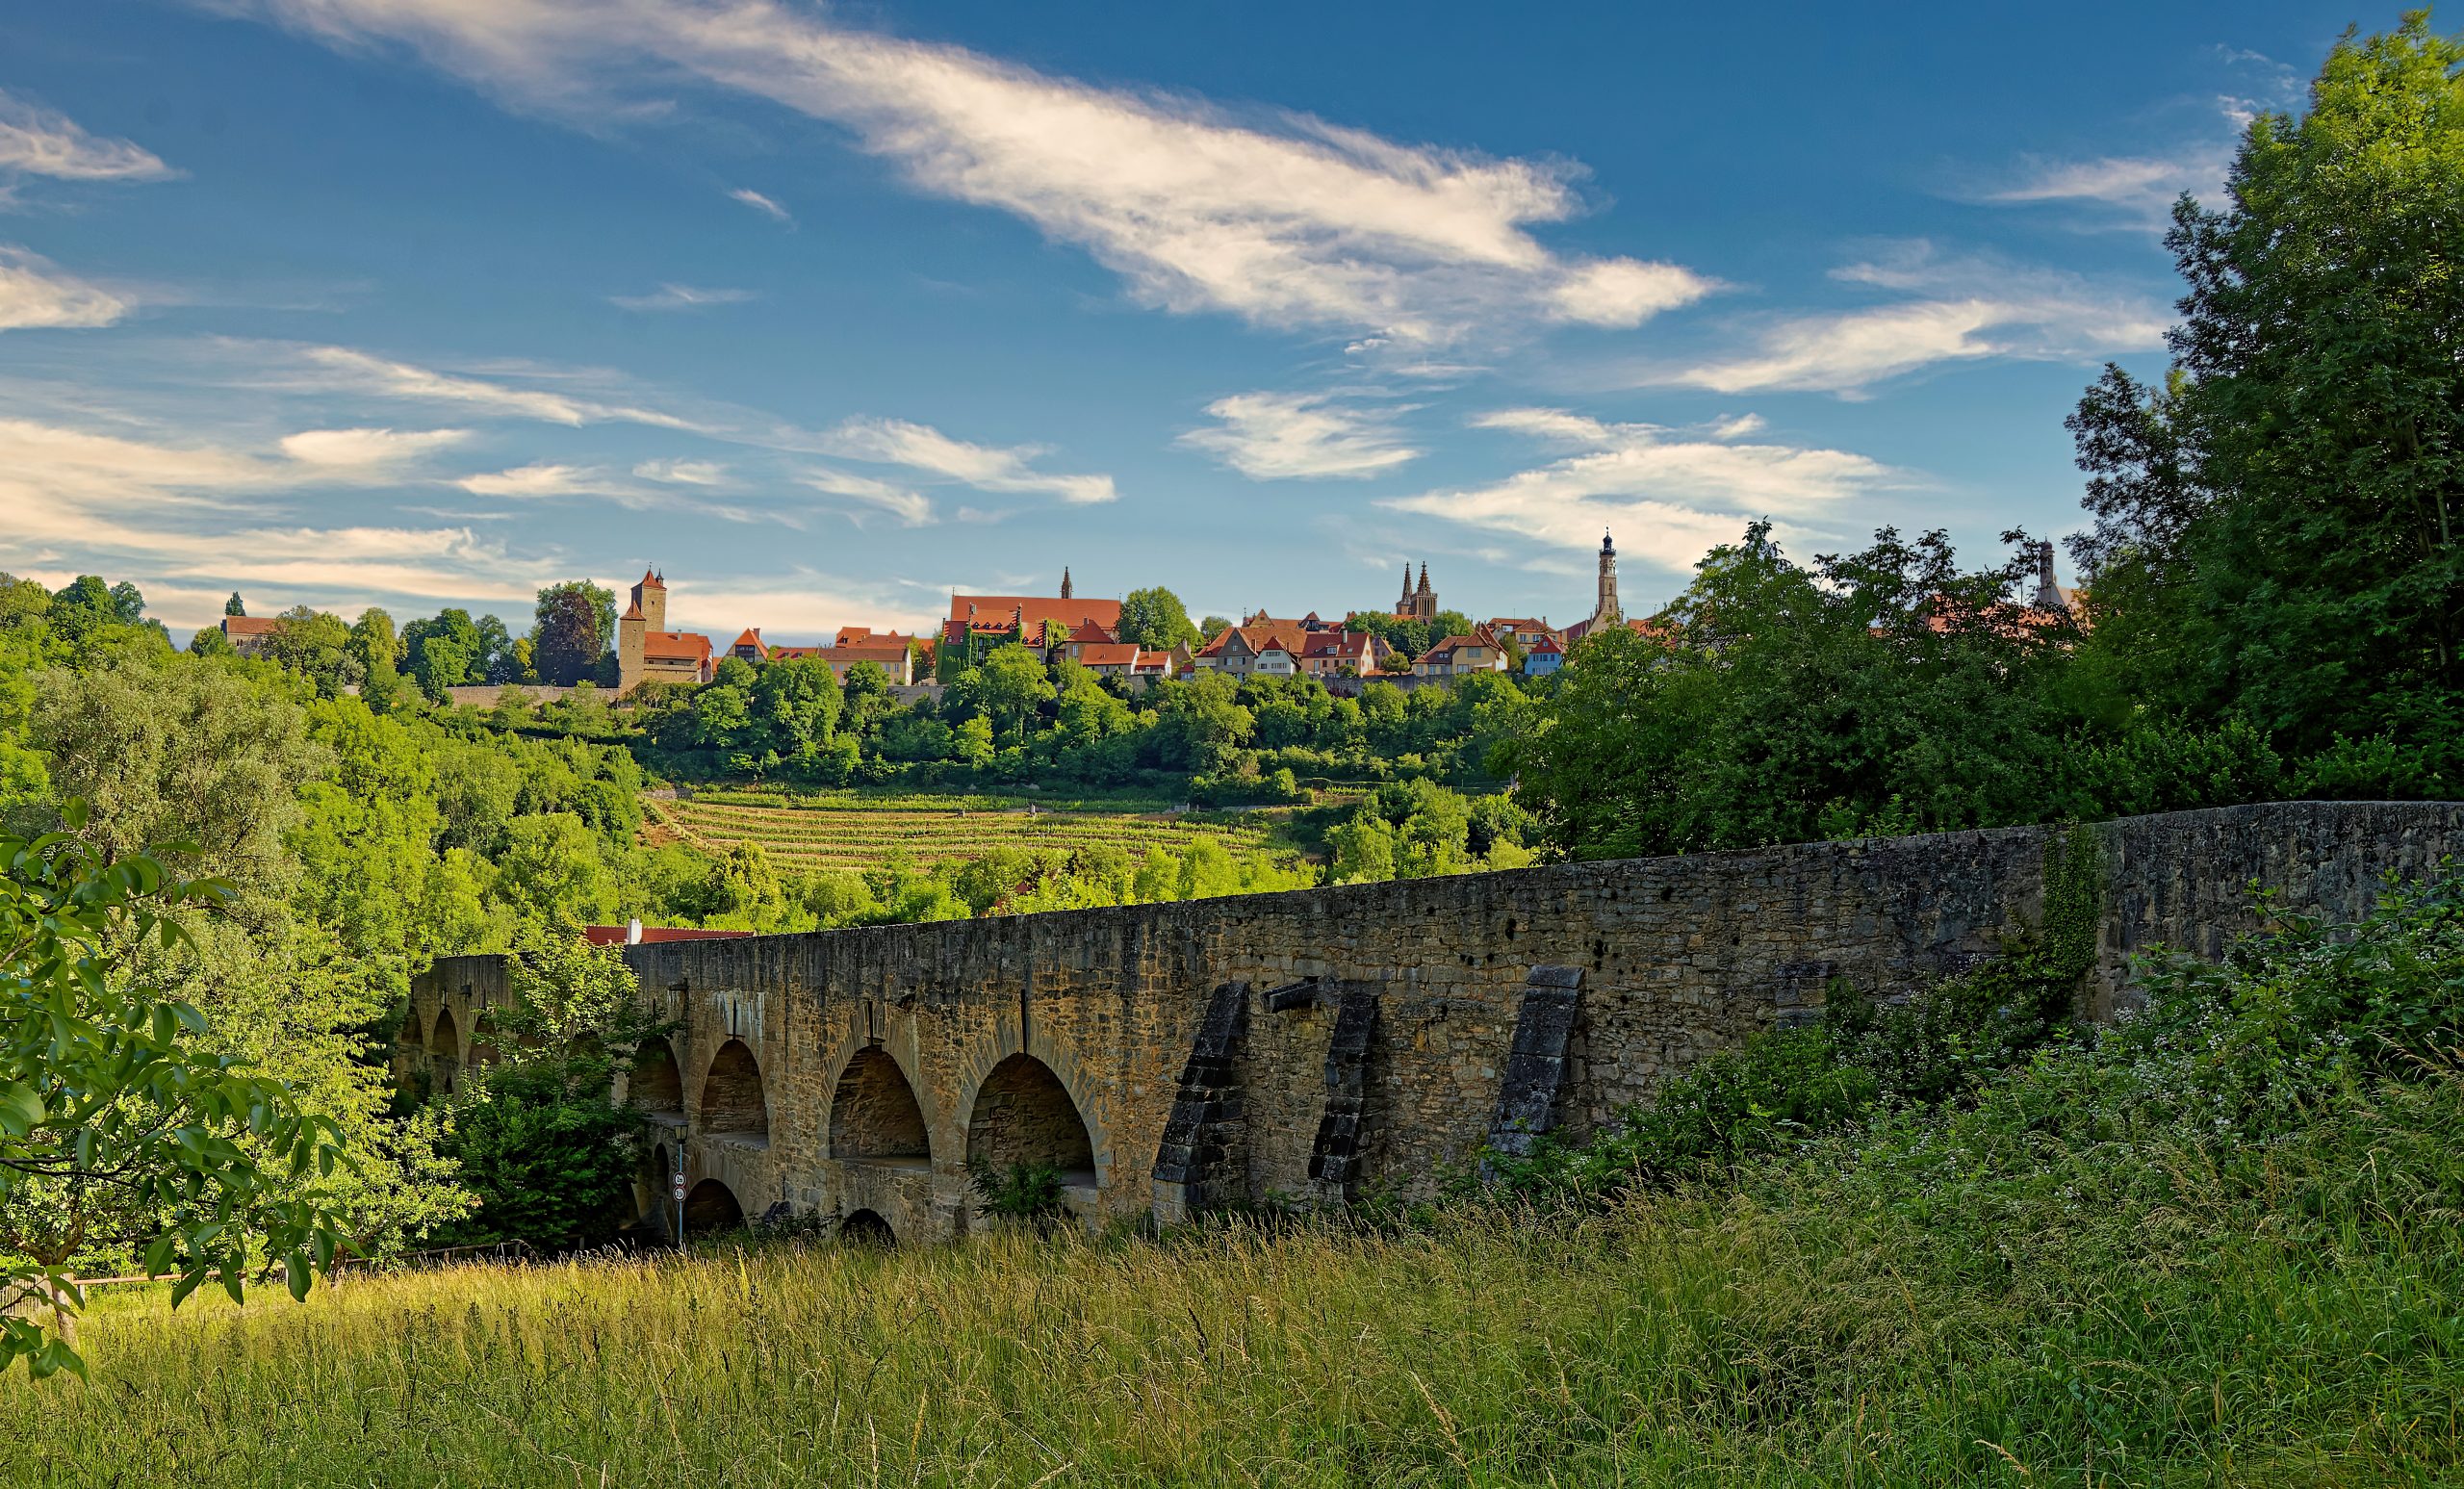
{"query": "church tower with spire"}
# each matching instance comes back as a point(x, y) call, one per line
point(1065, 581)
point(1607, 613)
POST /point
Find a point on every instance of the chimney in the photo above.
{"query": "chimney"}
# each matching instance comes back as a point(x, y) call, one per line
point(633, 931)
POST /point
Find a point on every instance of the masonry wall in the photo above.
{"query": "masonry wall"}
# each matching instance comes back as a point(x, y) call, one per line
point(1376, 1023)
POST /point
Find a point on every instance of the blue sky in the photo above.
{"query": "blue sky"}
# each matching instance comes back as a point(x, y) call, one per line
point(827, 311)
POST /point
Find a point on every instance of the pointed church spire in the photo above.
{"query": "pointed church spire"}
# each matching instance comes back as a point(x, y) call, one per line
point(1424, 589)
point(1065, 581)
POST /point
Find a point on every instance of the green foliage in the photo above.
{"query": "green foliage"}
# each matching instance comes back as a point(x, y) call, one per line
point(573, 628)
point(1155, 618)
point(2277, 523)
point(1781, 1089)
point(119, 1125)
point(550, 1158)
point(1027, 1193)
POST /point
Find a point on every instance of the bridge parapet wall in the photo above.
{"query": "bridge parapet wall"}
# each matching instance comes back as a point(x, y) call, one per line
point(1676, 956)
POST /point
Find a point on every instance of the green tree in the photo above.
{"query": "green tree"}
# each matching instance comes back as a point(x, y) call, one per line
point(81, 609)
point(574, 626)
point(317, 646)
point(1156, 618)
point(551, 870)
point(233, 605)
point(378, 653)
point(1010, 685)
point(445, 652)
point(2277, 524)
point(1877, 693)
point(796, 703)
point(549, 1156)
point(116, 1125)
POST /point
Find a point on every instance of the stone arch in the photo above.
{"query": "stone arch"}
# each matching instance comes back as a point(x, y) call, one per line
point(711, 1206)
point(1023, 1114)
point(446, 1038)
point(866, 1228)
point(733, 1102)
point(656, 1085)
point(874, 1115)
point(483, 1047)
point(445, 1052)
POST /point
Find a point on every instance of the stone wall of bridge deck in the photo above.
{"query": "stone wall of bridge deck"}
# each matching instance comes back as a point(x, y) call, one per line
point(1676, 958)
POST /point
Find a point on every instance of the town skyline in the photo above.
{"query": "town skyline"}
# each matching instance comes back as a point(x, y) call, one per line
point(438, 307)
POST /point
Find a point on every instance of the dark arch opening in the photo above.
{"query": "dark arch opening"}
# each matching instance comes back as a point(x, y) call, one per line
point(732, 1098)
point(656, 1085)
point(445, 1051)
point(484, 1048)
point(1023, 1115)
point(711, 1206)
point(866, 1228)
point(873, 1114)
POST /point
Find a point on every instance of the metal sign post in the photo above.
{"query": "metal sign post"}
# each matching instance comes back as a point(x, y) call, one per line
point(680, 1196)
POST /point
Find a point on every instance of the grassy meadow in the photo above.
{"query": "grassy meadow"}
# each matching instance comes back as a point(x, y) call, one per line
point(2177, 1314)
point(856, 830)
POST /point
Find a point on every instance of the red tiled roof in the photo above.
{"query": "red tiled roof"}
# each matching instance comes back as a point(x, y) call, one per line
point(651, 580)
point(614, 935)
point(1258, 637)
point(1349, 645)
point(1109, 654)
point(995, 612)
point(1089, 633)
point(675, 646)
point(783, 653)
point(864, 652)
point(849, 636)
point(1546, 646)
point(236, 625)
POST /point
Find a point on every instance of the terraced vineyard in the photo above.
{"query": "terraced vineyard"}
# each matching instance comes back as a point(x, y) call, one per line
point(853, 829)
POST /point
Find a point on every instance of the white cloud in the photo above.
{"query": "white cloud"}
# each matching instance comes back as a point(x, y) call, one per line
point(35, 293)
point(802, 604)
point(1967, 309)
point(1668, 496)
point(160, 512)
point(990, 468)
point(342, 369)
point(911, 507)
point(1624, 293)
point(680, 296)
point(683, 473)
point(1737, 428)
point(1286, 221)
point(37, 142)
point(368, 450)
point(761, 204)
point(536, 481)
point(1280, 436)
point(2140, 190)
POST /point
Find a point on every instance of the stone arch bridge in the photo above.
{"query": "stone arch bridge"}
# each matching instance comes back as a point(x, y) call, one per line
point(1316, 1044)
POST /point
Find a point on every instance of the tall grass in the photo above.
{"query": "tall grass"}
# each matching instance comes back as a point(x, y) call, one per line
point(2183, 1314)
